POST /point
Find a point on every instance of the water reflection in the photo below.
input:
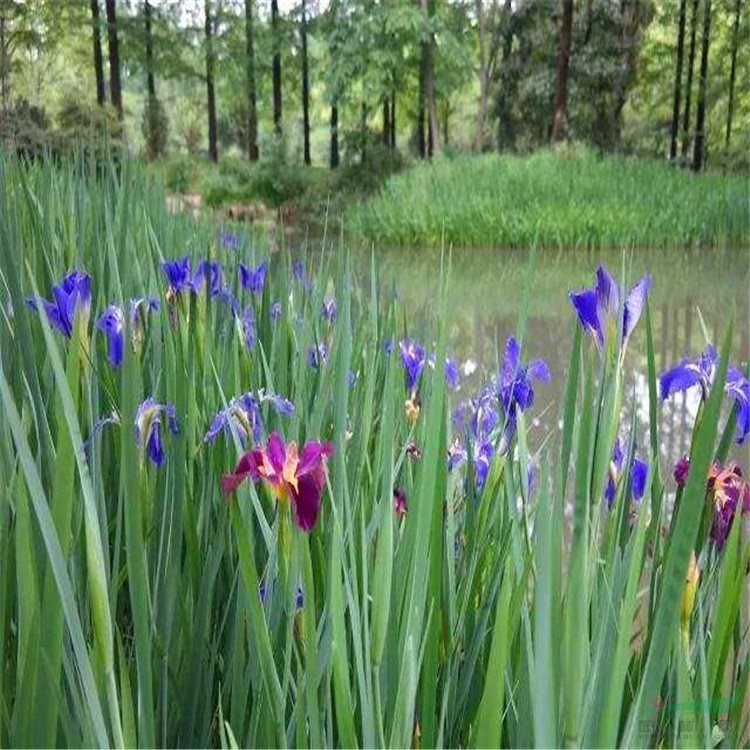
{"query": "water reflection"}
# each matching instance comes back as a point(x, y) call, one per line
point(691, 300)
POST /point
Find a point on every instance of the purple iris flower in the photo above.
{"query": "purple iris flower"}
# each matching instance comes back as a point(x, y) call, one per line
point(515, 388)
point(112, 322)
point(148, 424)
point(275, 312)
point(248, 328)
point(452, 375)
point(71, 295)
point(388, 345)
point(638, 475)
point(483, 453)
point(317, 355)
point(599, 308)
point(209, 276)
point(329, 309)
point(351, 378)
point(701, 371)
point(253, 279)
point(413, 359)
point(178, 275)
point(229, 240)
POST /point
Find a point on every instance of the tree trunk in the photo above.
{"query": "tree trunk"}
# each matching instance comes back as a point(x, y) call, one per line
point(334, 135)
point(733, 69)
point(115, 87)
point(393, 120)
point(677, 82)
point(689, 81)
point(98, 59)
point(421, 141)
point(252, 97)
point(484, 75)
point(4, 67)
point(305, 88)
point(150, 85)
point(699, 147)
point(428, 8)
point(559, 117)
point(276, 68)
point(386, 122)
point(213, 149)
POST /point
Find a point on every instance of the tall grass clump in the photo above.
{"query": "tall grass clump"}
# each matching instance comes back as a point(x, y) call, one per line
point(558, 199)
point(242, 505)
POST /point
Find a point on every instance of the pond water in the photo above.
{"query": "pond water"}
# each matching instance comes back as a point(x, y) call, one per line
point(692, 297)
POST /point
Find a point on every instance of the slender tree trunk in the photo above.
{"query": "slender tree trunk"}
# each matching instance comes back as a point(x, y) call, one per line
point(484, 76)
point(252, 96)
point(446, 118)
point(393, 120)
point(276, 67)
point(559, 117)
point(386, 122)
point(4, 66)
point(689, 81)
point(151, 86)
point(213, 149)
point(334, 135)
point(115, 87)
point(733, 69)
point(428, 8)
point(98, 59)
point(677, 82)
point(699, 147)
point(363, 130)
point(305, 87)
point(421, 140)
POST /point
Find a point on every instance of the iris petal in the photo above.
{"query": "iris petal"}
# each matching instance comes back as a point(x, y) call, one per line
point(307, 498)
point(608, 295)
point(586, 305)
point(682, 376)
point(638, 474)
point(276, 452)
point(634, 305)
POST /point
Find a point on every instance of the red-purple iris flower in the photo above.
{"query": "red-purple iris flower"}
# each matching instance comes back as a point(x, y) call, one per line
point(729, 491)
point(599, 308)
point(293, 474)
point(72, 295)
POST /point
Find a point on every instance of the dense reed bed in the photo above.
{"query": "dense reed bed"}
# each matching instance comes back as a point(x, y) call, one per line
point(243, 505)
point(575, 199)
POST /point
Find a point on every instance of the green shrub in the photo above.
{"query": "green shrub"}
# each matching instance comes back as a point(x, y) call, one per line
point(155, 128)
point(180, 173)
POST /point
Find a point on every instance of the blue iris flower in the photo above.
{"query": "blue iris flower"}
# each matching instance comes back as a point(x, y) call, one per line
point(638, 475)
point(452, 375)
point(599, 308)
point(178, 275)
point(243, 412)
point(148, 425)
point(317, 356)
point(72, 295)
point(329, 310)
point(229, 240)
point(700, 371)
point(275, 312)
point(247, 323)
point(112, 323)
point(208, 275)
point(300, 273)
point(413, 359)
point(252, 279)
point(141, 306)
point(515, 389)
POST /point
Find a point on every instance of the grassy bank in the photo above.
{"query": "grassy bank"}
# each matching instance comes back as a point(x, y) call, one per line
point(557, 199)
point(404, 578)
